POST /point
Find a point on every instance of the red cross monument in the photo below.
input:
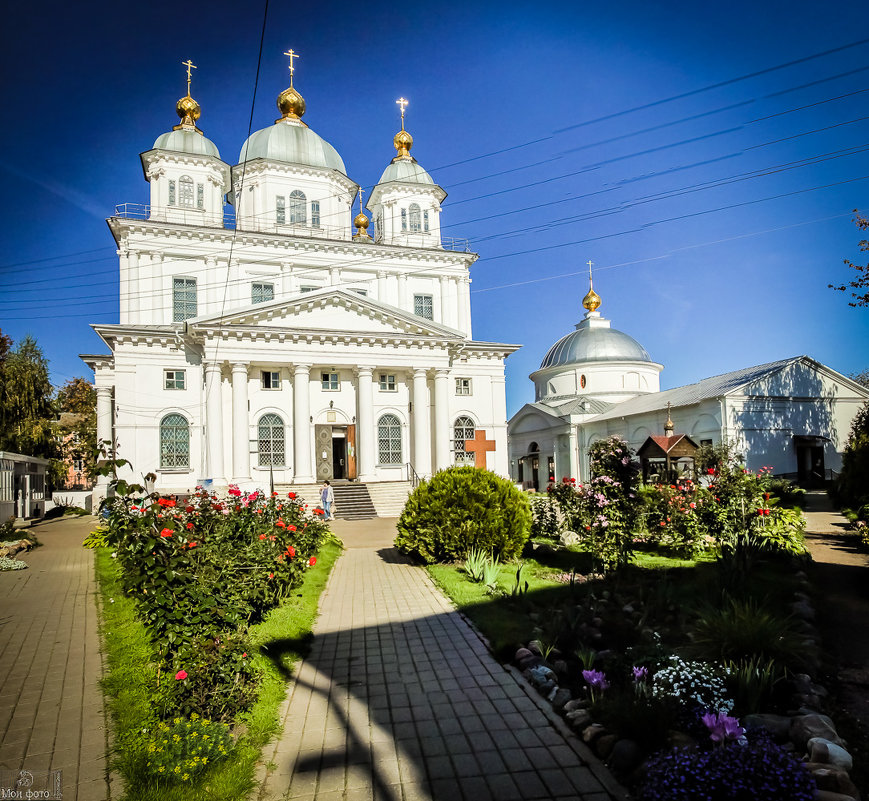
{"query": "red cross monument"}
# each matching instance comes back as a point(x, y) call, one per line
point(479, 446)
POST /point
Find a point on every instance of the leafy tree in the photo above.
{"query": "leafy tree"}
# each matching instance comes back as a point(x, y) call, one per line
point(860, 285)
point(76, 401)
point(861, 378)
point(852, 487)
point(26, 407)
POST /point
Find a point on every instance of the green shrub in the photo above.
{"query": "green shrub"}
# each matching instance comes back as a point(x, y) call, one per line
point(744, 630)
point(462, 508)
point(782, 530)
point(752, 683)
point(544, 516)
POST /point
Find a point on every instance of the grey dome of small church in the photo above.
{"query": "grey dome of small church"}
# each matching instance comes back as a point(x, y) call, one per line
point(407, 172)
point(594, 340)
point(291, 140)
point(588, 344)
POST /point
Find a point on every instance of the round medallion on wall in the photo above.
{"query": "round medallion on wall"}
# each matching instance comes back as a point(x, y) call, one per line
point(582, 381)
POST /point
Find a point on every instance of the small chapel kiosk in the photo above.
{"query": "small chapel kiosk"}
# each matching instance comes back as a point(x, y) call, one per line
point(669, 457)
point(280, 337)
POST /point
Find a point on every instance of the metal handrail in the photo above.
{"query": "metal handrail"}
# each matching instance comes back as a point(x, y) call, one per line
point(190, 215)
point(412, 475)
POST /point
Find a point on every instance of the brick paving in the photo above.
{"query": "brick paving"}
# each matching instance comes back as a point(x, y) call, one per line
point(51, 705)
point(400, 699)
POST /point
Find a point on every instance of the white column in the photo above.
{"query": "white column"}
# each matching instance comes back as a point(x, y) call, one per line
point(213, 424)
point(161, 306)
point(461, 309)
point(240, 424)
point(421, 425)
point(574, 453)
point(381, 286)
point(123, 286)
point(334, 276)
point(442, 419)
point(210, 293)
point(302, 425)
point(366, 435)
point(466, 301)
point(104, 427)
point(403, 302)
point(288, 280)
point(446, 306)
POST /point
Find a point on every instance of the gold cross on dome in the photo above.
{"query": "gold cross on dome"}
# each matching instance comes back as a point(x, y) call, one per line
point(190, 66)
point(292, 54)
point(589, 263)
point(402, 103)
point(361, 190)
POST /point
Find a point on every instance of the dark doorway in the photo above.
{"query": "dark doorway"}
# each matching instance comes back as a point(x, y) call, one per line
point(535, 473)
point(811, 470)
point(339, 454)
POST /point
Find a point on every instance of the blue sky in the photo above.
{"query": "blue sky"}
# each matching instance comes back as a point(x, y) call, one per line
point(716, 207)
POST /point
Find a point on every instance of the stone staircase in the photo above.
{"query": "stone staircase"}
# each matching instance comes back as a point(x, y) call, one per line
point(355, 501)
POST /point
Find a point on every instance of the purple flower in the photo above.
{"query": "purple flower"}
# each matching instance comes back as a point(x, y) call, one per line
point(640, 673)
point(722, 727)
point(595, 679)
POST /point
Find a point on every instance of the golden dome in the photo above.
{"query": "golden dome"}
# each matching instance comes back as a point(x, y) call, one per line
point(189, 111)
point(291, 104)
point(591, 301)
point(361, 223)
point(403, 142)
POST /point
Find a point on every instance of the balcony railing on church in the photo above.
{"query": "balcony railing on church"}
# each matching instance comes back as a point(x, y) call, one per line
point(193, 216)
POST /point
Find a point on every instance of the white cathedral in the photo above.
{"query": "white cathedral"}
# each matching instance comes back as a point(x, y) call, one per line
point(277, 343)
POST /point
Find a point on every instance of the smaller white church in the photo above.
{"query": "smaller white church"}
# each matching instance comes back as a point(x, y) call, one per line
point(793, 415)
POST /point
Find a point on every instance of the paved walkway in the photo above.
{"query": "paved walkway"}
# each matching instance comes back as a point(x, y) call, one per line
point(51, 707)
point(401, 700)
point(840, 575)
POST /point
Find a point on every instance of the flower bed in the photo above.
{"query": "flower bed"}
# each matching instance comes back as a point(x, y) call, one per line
point(201, 573)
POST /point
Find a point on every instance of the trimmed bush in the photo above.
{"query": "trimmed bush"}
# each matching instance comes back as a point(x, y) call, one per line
point(461, 509)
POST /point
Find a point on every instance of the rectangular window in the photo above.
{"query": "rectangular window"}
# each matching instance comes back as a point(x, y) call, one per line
point(183, 299)
point(308, 288)
point(200, 196)
point(425, 221)
point(173, 379)
point(404, 219)
point(171, 193)
point(463, 386)
point(330, 381)
point(185, 191)
point(315, 213)
point(280, 209)
point(262, 293)
point(359, 291)
point(77, 465)
point(387, 383)
point(270, 380)
point(705, 442)
point(422, 306)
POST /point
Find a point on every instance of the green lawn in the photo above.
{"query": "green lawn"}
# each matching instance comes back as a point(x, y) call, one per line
point(282, 639)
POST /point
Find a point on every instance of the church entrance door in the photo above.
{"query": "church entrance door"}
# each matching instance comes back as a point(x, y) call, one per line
point(336, 452)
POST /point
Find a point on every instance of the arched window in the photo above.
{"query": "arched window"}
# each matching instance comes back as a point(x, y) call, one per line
point(533, 448)
point(185, 191)
point(463, 429)
point(415, 218)
point(270, 441)
point(174, 442)
point(389, 440)
point(298, 208)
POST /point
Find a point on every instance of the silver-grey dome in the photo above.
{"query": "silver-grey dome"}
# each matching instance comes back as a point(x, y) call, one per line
point(407, 172)
point(292, 142)
point(595, 345)
point(182, 141)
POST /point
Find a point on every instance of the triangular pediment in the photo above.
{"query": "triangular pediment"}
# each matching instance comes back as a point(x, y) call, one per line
point(332, 310)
